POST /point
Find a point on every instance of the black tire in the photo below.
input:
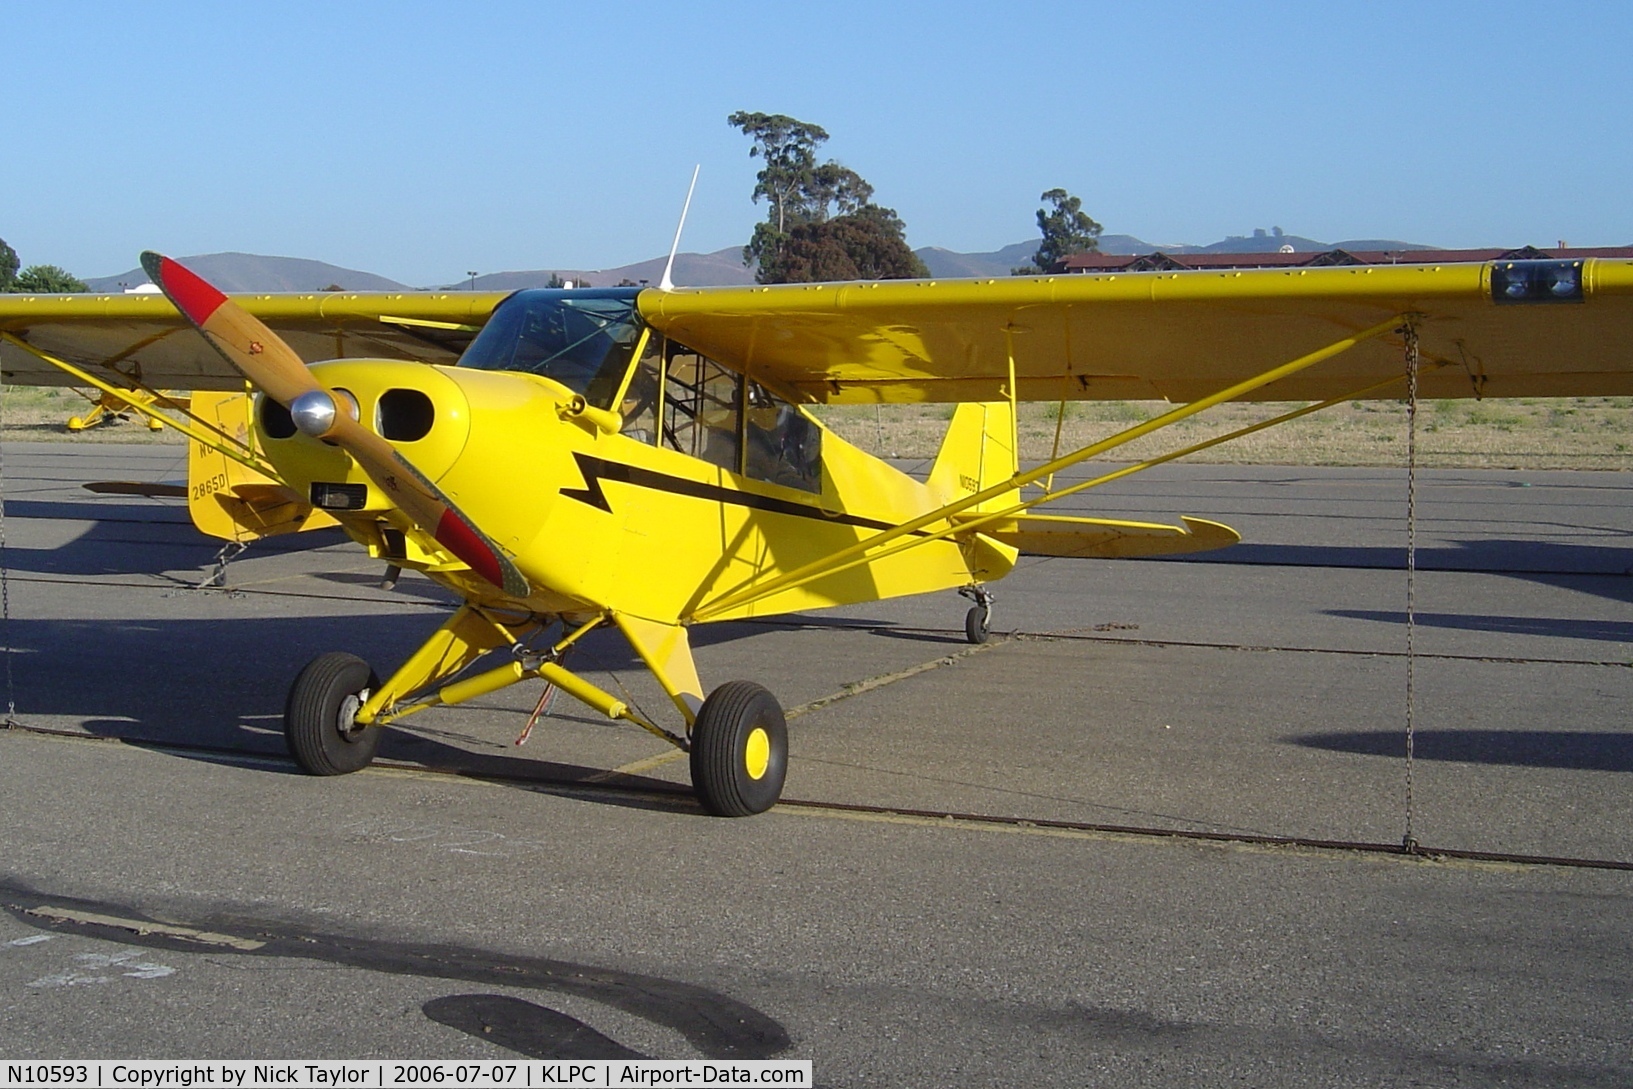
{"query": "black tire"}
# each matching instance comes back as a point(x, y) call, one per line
point(318, 715)
point(975, 623)
point(739, 750)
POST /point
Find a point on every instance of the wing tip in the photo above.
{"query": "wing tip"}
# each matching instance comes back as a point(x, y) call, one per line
point(1208, 534)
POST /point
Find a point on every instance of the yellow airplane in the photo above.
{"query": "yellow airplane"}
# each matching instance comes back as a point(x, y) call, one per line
point(643, 459)
point(108, 407)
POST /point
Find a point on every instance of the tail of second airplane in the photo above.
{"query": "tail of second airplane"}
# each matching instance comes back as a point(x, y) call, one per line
point(978, 451)
point(226, 498)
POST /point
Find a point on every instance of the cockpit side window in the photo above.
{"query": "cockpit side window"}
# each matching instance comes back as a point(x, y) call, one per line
point(716, 415)
point(702, 408)
point(586, 339)
point(780, 444)
point(581, 338)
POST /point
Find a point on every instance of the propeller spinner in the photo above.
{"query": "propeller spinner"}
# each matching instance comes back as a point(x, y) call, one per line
point(258, 353)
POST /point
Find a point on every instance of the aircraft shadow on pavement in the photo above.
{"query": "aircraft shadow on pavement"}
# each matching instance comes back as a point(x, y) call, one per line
point(922, 635)
point(218, 683)
point(1613, 631)
point(716, 1024)
point(524, 1027)
point(1572, 750)
point(532, 773)
point(1515, 556)
point(101, 509)
point(198, 679)
point(621, 791)
point(219, 686)
point(133, 539)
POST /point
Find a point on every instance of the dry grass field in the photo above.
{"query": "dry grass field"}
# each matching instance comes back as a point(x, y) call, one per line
point(1576, 433)
point(40, 414)
point(1533, 433)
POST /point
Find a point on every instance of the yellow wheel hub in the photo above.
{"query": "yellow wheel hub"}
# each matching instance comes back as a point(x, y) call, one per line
point(757, 753)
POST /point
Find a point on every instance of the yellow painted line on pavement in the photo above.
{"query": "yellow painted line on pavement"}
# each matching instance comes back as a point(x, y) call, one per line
point(143, 926)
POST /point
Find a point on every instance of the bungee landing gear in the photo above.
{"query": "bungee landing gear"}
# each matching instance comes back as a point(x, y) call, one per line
point(738, 742)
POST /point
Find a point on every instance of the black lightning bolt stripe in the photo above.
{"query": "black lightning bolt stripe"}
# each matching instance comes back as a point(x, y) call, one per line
point(595, 470)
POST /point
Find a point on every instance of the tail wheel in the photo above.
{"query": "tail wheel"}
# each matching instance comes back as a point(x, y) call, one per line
point(320, 716)
point(978, 621)
point(739, 750)
point(977, 624)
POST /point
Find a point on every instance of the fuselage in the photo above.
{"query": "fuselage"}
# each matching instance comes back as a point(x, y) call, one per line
point(620, 471)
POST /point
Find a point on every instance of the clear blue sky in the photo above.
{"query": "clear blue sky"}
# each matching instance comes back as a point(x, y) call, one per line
point(420, 141)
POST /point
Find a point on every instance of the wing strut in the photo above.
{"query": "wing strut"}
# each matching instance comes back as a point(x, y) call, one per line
point(859, 553)
point(199, 430)
point(980, 521)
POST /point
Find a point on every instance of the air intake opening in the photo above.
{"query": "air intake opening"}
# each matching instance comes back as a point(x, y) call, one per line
point(273, 418)
point(404, 415)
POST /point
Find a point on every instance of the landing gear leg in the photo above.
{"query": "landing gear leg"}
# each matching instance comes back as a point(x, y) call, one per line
point(977, 622)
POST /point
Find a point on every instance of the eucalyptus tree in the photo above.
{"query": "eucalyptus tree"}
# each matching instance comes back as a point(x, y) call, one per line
point(1067, 229)
point(821, 222)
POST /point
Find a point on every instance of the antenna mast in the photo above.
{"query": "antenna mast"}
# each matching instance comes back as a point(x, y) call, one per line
point(668, 284)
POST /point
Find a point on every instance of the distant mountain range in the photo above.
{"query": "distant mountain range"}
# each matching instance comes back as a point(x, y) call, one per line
point(252, 272)
point(718, 269)
point(1003, 262)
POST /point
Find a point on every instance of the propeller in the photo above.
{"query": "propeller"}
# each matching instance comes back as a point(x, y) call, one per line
point(272, 366)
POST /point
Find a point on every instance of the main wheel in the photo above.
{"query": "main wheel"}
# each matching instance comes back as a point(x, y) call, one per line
point(976, 623)
point(739, 750)
point(319, 715)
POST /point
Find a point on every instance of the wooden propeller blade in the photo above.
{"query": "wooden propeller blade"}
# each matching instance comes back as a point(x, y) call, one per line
point(255, 351)
point(262, 357)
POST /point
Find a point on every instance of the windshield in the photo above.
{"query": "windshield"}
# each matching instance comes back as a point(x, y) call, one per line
point(581, 338)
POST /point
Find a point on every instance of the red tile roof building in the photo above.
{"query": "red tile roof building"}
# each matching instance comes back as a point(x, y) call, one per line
point(1161, 262)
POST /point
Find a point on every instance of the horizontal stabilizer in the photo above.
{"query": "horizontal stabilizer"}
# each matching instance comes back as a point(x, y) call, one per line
point(263, 510)
point(1104, 538)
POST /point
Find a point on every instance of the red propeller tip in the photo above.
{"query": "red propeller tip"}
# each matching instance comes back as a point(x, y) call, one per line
point(193, 297)
point(453, 532)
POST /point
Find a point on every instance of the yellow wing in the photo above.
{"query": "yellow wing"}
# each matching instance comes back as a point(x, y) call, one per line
point(1172, 335)
point(141, 341)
